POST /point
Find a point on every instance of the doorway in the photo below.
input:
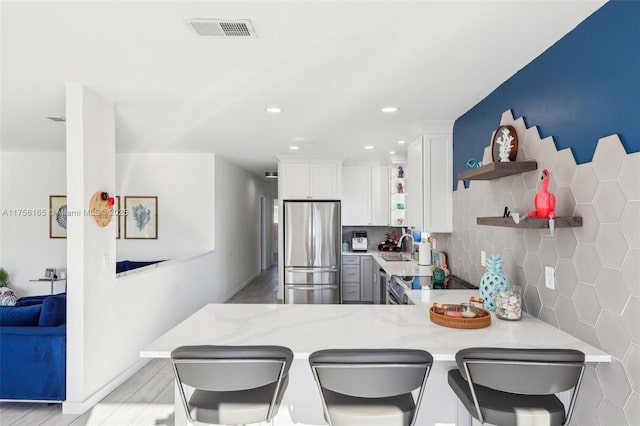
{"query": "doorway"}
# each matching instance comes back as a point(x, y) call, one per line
point(268, 232)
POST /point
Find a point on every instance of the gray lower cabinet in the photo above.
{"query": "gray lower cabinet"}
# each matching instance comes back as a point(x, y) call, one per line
point(366, 279)
point(357, 279)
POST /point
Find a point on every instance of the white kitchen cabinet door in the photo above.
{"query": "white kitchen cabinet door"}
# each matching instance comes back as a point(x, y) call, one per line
point(430, 192)
point(323, 181)
point(380, 195)
point(438, 190)
point(415, 188)
point(356, 195)
point(296, 181)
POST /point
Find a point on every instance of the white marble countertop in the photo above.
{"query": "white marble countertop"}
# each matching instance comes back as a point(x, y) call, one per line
point(307, 328)
point(406, 268)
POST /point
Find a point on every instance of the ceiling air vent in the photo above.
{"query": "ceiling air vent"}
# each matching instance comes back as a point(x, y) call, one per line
point(222, 27)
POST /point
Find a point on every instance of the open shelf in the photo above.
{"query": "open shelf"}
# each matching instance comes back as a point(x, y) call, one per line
point(497, 170)
point(530, 222)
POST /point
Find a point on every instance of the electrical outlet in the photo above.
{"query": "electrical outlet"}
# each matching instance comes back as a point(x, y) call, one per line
point(549, 277)
point(483, 258)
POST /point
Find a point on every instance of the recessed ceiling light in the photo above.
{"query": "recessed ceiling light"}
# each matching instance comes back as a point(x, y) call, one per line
point(273, 110)
point(401, 142)
point(299, 139)
point(392, 152)
point(389, 109)
point(271, 175)
point(293, 147)
point(369, 147)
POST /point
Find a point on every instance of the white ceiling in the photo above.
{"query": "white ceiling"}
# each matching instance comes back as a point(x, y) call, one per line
point(330, 66)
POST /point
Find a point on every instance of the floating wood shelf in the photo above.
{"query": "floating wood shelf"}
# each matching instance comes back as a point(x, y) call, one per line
point(497, 170)
point(530, 222)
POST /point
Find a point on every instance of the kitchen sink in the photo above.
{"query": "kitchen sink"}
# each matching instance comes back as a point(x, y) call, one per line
point(394, 257)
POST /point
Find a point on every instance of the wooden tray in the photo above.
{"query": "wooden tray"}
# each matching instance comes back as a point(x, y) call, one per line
point(437, 314)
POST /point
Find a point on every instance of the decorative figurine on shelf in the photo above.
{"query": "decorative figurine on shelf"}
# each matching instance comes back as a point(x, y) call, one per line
point(400, 172)
point(400, 188)
point(493, 282)
point(473, 163)
point(544, 201)
point(504, 142)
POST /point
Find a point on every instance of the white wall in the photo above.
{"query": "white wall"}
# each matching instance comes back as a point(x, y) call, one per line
point(92, 325)
point(110, 320)
point(149, 303)
point(184, 185)
point(26, 181)
point(238, 222)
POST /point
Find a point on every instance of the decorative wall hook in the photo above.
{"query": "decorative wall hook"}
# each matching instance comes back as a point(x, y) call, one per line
point(101, 208)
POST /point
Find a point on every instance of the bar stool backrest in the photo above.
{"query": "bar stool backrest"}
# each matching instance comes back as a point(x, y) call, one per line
point(523, 371)
point(230, 368)
point(371, 373)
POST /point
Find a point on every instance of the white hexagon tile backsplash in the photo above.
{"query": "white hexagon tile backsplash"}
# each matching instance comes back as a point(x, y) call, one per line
point(597, 294)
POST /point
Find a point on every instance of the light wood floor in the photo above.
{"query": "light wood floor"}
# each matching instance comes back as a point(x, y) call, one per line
point(263, 289)
point(146, 398)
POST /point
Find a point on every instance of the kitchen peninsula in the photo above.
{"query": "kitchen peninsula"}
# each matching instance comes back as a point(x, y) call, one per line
point(307, 328)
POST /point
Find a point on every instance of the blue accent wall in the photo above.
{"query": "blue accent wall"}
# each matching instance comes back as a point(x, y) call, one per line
point(582, 88)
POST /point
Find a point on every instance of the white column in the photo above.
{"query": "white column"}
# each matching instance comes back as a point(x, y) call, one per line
point(91, 250)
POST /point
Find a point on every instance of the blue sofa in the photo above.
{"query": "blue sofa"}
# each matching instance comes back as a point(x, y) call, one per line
point(33, 349)
point(127, 265)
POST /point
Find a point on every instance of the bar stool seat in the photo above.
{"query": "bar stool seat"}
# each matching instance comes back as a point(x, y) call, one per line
point(231, 385)
point(371, 387)
point(350, 410)
point(513, 386)
point(235, 407)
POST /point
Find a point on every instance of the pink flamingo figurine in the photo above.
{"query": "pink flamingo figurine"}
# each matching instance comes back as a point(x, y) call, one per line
point(544, 201)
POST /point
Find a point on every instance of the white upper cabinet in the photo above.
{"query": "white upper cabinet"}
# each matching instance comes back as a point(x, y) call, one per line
point(323, 180)
point(356, 195)
point(365, 195)
point(415, 189)
point(437, 153)
point(380, 195)
point(296, 180)
point(430, 159)
point(302, 179)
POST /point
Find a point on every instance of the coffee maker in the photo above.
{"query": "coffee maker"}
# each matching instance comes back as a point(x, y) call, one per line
point(359, 242)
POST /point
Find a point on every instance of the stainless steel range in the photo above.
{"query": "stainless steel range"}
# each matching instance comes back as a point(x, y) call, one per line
point(397, 287)
point(396, 293)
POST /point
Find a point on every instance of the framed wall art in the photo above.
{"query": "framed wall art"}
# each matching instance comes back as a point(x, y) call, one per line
point(504, 146)
point(57, 216)
point(141, 218)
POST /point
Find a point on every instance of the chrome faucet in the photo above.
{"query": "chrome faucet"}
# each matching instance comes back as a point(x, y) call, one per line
point(412, 243)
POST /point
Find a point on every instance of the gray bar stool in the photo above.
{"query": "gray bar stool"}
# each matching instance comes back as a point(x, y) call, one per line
point(517, 386)
point(370, 387)
point(231, 384)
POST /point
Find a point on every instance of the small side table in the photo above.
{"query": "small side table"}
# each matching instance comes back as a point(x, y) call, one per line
point(51, 280)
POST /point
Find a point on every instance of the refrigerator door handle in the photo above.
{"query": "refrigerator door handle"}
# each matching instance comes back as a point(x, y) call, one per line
point(312, 270)
point(311, 287)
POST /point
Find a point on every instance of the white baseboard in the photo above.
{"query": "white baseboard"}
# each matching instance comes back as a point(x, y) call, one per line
point(241, 286)
point(80, 407)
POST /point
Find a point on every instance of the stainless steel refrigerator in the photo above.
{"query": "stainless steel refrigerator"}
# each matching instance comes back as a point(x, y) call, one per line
point(312, 236)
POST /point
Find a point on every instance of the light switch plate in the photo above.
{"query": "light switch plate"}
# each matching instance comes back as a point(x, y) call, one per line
point(549, 277)
point(483, 258)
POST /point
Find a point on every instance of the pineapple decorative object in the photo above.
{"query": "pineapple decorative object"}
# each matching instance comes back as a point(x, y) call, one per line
point(493, 282)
